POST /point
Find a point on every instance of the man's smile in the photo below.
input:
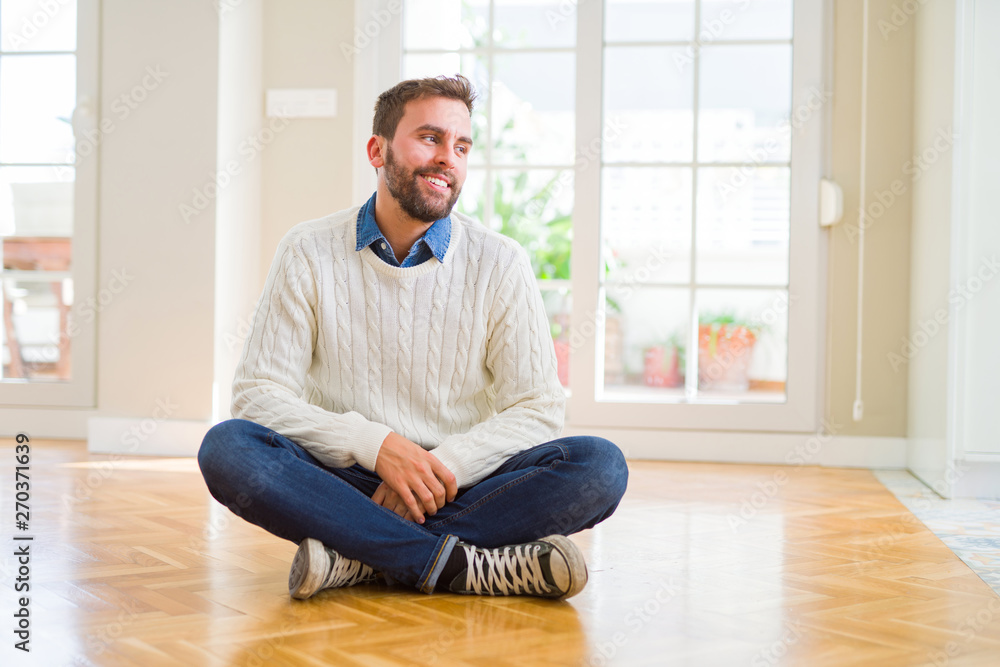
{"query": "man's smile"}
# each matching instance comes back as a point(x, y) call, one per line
point(436, 182)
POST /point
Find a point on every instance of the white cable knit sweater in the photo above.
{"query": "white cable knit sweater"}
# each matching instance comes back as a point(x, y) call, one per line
point(454, 355)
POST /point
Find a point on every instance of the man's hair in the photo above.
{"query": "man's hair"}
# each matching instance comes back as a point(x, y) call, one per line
point(390, 105)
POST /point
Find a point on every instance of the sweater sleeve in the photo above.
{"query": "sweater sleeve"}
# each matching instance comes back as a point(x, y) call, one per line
point(529, 402)
point(270, 380)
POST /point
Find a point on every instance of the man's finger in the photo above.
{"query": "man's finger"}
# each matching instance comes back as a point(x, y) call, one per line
point(399, 508)
point(447, 478)
point(393, 497)
point(387, 498)
point(437, 491)
point(428, 500)
point(411, 503)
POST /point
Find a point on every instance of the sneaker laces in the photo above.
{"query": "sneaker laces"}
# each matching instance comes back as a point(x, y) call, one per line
point(346, 572)
point(507, 571)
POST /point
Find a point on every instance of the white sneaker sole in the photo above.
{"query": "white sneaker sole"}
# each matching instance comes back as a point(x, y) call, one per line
point(574, 561)
point(309, 567)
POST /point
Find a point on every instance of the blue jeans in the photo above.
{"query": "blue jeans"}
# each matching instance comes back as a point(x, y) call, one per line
point(563, 486)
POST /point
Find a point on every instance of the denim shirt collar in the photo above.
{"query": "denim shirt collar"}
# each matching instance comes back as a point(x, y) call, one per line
point(435, 239)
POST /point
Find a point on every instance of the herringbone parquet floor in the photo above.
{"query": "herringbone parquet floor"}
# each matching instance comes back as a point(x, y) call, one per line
point(133, 563)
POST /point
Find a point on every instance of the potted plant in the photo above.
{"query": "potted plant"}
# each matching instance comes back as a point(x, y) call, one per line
point(663, 363)
point(614, 344)
point(725, 350)
point(555, 303)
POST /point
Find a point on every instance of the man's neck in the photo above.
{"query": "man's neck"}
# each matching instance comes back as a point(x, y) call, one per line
point(399, 229)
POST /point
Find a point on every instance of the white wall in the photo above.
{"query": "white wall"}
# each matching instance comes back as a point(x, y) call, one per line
point(954, 425)
point(307, 169)
point(237, 271)
point(934, 84)
point(289, 170)
point(155, 349)
point(980, 273)
point(891, 143)
point(976, 278)
point(196, 190)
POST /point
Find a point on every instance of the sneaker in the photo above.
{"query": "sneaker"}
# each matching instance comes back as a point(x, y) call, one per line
point(551, 567)
point(316, 567)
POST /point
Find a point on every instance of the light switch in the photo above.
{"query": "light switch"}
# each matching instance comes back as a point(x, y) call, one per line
point(302, 103)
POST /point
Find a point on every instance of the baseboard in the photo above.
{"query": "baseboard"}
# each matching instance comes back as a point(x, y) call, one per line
point(178, 438)
point(983, 457)
point(45, 423)
point(745, 447)
point(977, 477)
point(145, 437)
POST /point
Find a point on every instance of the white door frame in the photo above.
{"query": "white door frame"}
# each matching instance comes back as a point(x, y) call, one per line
point(802, 409)
point(377, 66)
point(80, 390)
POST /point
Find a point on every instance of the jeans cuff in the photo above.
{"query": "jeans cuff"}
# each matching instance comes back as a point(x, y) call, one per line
point(436, 565)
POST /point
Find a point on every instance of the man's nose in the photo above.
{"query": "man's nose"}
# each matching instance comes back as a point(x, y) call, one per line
point(446, 155)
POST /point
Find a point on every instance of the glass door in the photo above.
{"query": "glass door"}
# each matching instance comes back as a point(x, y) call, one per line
point(696, 219)
point(677, 244)
point(521, 178)
point(48, 146)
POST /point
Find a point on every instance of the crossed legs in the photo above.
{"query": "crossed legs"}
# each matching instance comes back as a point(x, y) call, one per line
point(556, 488)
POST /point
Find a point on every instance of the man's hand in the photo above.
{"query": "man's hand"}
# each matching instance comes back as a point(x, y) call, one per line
point(414, 481)
point(390, 500)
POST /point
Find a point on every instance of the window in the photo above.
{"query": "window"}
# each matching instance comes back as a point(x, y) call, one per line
point(521, 57)
point(659, 159)
point(695, 189)
point(47, 64)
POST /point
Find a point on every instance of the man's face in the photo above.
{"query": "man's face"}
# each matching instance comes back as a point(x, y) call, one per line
point(427, 160)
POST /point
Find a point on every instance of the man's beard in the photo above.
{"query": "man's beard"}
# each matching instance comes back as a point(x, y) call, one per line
point(404, 189)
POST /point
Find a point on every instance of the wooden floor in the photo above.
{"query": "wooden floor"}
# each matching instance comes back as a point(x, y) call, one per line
point(133, 563)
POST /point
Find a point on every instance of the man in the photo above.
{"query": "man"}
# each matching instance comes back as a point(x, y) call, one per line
point(396, 402)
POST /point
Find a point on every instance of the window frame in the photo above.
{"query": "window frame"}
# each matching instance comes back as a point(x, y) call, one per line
point(800, 412)
point(80, 390)
point(380, 67)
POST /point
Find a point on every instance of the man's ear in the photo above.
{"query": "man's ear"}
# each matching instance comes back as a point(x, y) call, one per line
point(376, 148)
